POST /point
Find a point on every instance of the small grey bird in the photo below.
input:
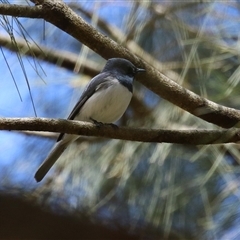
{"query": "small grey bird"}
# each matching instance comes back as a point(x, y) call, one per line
point(104, 100)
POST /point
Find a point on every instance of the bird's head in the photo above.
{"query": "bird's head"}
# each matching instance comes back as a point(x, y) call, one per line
point(122, 66)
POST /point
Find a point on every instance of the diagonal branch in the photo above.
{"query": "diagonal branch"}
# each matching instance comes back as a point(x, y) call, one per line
point(118, 36)
point(59, 14)
point(191, 137)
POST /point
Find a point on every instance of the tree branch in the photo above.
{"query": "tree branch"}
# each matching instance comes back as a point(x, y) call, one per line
point(191, 137)
point(21, 11)
point(118, 36)
point(59, 14)
point(58, 57)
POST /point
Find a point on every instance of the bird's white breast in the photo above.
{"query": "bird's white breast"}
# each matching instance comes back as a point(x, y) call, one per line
point(106, 105)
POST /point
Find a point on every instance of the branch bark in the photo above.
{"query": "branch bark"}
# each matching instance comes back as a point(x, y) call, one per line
point(59, 14)
point(191, 137)
point(15, 10)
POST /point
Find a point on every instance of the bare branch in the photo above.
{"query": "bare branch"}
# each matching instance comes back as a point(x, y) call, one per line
point(118, 36)
point(58, 57)
point(192, 137)
point(21, 11)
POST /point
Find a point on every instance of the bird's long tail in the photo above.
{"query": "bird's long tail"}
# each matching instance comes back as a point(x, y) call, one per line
point(53, 156)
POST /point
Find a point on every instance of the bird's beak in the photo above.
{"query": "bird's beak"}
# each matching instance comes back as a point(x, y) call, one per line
point(140, 70)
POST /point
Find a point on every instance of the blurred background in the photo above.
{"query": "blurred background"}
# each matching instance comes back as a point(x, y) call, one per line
point(146, 191)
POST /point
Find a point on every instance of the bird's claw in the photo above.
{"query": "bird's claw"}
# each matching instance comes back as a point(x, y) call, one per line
point(99, 124)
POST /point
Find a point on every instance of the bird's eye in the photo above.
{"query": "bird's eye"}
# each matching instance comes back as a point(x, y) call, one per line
point(131, 71)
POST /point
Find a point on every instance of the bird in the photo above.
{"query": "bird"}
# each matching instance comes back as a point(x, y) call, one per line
point(103, 101)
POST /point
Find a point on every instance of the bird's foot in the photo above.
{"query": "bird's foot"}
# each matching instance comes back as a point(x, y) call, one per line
point(99, 124)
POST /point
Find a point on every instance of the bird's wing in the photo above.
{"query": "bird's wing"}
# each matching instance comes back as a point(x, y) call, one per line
point(94, 85)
